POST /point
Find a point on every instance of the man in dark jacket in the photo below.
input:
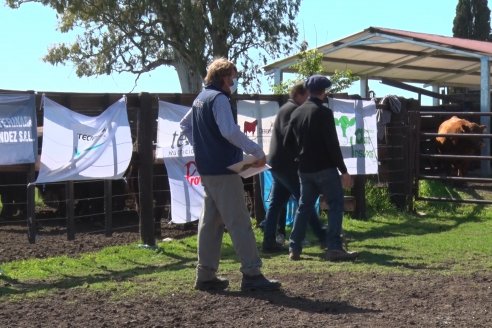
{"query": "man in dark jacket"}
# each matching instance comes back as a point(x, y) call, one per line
point(285, 181)
point(312, 136)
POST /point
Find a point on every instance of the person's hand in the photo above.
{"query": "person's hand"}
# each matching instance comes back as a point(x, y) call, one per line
point(347, 181)
point(259, 162)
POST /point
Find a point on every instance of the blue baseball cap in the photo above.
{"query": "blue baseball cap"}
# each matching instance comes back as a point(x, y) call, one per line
point(317, 83)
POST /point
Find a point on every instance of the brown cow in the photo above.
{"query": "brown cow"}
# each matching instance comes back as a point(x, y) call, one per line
point(459, 145)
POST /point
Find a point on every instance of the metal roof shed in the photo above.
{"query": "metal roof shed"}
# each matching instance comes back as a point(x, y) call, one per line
point(379, 53)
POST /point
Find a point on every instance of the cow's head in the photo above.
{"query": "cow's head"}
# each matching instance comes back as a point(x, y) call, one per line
point(471, 127)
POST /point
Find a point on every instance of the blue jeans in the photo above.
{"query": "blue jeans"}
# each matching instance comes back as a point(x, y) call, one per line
point(284, 185)
point(328, 183)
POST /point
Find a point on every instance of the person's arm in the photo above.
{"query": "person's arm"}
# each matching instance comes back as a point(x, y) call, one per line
point(231, 132)
point(186, 126)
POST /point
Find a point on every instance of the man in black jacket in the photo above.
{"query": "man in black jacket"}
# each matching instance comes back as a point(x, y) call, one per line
point(312, 136)
point(285, 181)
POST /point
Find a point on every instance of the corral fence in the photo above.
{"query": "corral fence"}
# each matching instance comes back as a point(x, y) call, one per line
point(111, 204)
point(75, 202)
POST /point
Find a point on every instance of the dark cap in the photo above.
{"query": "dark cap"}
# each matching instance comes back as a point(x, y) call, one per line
point(317, 83)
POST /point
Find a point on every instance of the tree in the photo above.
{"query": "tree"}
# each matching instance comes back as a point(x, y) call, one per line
point(472, 20)
point(140, 36)
point(311, 62)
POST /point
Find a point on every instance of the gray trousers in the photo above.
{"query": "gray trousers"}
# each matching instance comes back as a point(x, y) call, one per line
point(225, 206)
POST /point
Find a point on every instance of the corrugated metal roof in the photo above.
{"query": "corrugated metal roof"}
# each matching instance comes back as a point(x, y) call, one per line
point(378, 53)
point(459, 43)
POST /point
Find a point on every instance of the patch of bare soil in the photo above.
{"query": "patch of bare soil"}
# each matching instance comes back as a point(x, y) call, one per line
point(90, 236)
point(335, 300)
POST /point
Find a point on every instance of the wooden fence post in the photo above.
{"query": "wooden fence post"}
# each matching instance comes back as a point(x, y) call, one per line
point(108, 207)
point(145, 170)
point(359, 192)
point(31, 208)
point(70, 212)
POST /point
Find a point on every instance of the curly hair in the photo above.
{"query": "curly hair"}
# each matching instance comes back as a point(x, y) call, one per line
point(297, 89)
point(217, 69)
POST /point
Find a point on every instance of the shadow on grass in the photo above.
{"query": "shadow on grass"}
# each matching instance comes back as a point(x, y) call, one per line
point(415, 225)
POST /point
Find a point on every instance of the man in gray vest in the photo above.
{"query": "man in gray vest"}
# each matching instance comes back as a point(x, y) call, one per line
point(218, 143)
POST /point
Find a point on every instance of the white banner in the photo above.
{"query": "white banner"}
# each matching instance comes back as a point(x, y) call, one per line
point(80, 147)
point(255, 118)
point(187, 192)
point(170, 141)
point(356, 126)
point(18, 130)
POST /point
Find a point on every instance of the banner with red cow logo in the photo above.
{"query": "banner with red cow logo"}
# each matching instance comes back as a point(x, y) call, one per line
point(186, 189)
point(255, 118)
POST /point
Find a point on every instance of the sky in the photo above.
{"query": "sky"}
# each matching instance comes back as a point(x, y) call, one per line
point(27, 33)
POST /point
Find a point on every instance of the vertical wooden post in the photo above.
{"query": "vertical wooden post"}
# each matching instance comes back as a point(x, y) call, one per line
point(108, 207)
point(359, 192)
point(145, 170)
point(70, 213)
point(30, 210)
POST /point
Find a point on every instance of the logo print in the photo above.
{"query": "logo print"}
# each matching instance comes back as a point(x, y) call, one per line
point(192, 174)
point(250, 127)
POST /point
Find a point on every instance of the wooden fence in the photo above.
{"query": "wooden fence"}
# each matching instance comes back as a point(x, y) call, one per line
point(142, 114)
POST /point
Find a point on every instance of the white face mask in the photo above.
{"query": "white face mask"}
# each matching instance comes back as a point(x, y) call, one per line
point(234, 86)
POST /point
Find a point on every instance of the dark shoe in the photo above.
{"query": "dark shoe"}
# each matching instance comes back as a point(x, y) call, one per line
point(280, 238)
point(294, 255)
point(274, 248)
point(259, 283)
point(340, 255)
point(215, 284)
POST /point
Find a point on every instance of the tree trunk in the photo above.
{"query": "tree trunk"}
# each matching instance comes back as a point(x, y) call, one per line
point(190, 79)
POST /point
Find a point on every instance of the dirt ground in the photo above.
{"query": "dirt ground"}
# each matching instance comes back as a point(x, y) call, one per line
point(334, 300)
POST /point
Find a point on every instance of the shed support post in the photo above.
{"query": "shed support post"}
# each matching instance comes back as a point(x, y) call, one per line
point(485, 108)
point(277, 76)
point(435, 101)
point(364, 86)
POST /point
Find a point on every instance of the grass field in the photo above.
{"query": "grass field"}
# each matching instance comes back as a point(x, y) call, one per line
point(444, 239)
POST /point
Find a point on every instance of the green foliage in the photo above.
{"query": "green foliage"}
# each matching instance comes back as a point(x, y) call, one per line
point(284, 87)
point(438, 189)
point(472, 20)
point(433, 188)
point(378, 198)
point(311, 62)
point(342, 80)
point(140, 36)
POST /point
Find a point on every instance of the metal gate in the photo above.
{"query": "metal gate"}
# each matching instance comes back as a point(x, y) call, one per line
point(429, 162)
